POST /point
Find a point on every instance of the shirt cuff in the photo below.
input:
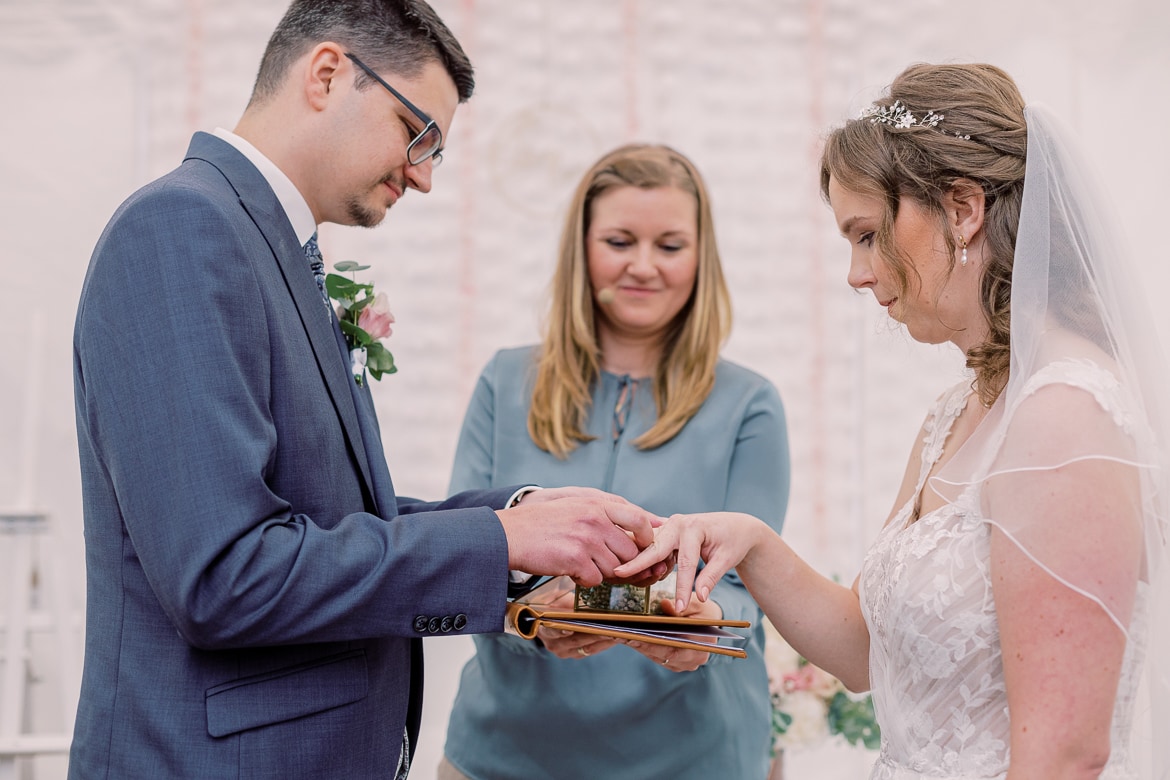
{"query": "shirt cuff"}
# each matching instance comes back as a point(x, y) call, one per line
point(519, 494)
point(515, 576)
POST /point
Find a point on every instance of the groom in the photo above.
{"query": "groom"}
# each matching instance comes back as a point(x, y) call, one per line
point(256, 590)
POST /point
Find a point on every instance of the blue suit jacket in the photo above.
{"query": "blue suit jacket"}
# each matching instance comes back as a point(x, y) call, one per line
point(255, 599)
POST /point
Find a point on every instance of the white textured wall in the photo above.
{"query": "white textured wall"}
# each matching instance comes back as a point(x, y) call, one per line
point(103, 95)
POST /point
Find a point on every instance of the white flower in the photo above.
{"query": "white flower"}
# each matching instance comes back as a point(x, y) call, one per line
point(809, 724)
point(780, 659)
point(357, 357)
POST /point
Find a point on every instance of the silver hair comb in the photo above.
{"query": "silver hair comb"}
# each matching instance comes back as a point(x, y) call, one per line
point(897, 115)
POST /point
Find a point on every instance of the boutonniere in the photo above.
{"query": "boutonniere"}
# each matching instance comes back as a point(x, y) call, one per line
point(365, 320)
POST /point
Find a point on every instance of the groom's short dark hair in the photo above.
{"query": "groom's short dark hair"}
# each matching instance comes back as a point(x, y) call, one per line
point(400, 36)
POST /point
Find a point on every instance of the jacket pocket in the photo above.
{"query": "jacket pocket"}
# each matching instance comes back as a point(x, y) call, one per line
point(284, 694)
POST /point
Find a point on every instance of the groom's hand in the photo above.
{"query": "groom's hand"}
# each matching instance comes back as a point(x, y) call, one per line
point(581, 532)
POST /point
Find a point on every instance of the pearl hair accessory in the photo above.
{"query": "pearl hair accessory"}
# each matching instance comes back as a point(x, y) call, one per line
point(897, 115)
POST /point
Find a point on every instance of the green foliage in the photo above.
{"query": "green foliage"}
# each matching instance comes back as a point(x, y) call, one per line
point(355, 336)
point(855, 720)
point(379, 360)
point(342, 289)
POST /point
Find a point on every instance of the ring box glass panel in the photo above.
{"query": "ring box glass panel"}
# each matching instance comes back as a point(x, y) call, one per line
point(611, 597)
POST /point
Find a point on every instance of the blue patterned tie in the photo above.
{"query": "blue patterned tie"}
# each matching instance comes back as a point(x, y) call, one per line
point(316, 265)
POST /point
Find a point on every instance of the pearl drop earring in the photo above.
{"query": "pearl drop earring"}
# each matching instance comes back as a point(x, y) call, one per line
point(963, 243)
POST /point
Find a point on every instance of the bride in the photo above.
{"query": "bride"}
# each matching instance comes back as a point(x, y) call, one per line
point(1010, 617)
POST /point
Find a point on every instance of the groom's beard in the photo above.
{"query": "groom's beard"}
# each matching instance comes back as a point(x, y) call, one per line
point(363, 215)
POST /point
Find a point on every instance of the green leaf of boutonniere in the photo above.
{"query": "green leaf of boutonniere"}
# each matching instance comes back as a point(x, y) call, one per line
point(379, 360)
point(354, 336)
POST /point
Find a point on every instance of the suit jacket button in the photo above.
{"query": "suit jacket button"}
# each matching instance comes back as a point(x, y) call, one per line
point(433, 626)
point(446, 624)
point(460, 621)
point(420, 623)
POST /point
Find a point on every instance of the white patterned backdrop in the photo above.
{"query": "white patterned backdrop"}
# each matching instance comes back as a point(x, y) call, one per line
point(102, 95)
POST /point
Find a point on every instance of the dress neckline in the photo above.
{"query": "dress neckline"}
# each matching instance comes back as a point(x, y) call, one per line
point(941, 425)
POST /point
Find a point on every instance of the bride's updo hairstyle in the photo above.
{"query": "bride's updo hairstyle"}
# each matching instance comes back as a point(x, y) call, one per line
point(938, 124)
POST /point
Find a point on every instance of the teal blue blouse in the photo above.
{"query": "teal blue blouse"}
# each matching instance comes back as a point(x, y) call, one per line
point(523, 713)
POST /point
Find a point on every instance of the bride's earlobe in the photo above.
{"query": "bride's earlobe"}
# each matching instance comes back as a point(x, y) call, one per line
point(964, 206)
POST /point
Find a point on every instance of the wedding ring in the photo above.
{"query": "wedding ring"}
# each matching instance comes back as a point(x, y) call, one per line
point(583, 652)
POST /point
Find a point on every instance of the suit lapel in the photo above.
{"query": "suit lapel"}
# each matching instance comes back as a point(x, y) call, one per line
point(263, 207)
point(319, 324)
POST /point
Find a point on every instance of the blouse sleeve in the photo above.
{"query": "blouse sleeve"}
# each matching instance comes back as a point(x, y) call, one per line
point(760, 472)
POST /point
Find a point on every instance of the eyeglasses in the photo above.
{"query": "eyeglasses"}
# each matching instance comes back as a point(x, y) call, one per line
point(427, 145)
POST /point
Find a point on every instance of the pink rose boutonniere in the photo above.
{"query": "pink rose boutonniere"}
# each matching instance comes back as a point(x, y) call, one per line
point(365, 320)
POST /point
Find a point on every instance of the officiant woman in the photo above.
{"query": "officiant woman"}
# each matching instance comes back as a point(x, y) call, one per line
point(626, 392)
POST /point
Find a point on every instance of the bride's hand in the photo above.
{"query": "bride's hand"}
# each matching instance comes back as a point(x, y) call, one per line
point(720, 539)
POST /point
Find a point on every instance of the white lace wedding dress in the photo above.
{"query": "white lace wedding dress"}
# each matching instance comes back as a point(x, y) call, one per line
point(935, 661)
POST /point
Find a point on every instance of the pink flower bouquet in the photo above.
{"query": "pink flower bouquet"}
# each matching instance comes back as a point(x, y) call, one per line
point(809, 704)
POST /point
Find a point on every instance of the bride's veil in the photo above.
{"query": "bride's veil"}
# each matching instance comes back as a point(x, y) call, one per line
point(1076, 300)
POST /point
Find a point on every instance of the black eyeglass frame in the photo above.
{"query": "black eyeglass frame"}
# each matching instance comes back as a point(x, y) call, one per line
point(434, 154)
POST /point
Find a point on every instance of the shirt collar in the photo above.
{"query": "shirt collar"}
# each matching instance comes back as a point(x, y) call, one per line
point(291, 200)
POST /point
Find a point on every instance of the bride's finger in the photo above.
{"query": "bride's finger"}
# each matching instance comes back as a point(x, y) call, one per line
point(690, 544)
point(713, 571)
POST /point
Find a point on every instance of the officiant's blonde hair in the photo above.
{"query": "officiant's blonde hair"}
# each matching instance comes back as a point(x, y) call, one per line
point(570, 357)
